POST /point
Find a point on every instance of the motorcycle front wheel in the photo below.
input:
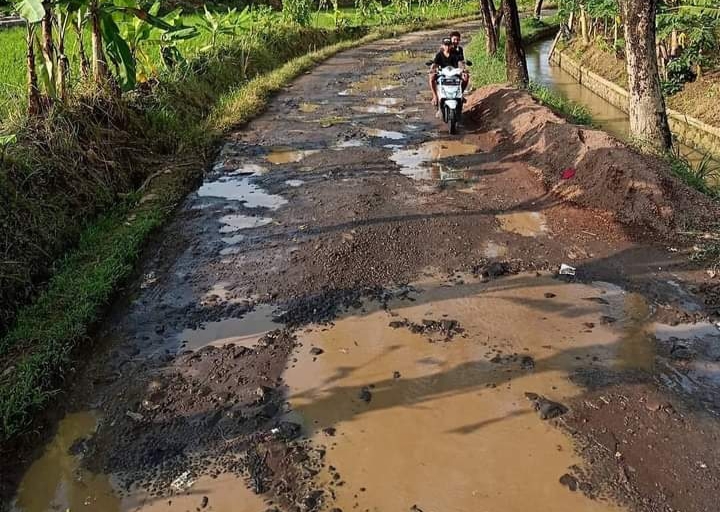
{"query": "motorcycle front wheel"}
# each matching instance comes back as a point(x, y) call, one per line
point(452, 120)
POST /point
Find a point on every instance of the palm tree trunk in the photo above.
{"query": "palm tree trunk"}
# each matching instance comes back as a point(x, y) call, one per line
point(648, 117)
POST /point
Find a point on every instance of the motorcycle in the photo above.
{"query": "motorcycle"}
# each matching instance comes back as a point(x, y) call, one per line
point(450, 95)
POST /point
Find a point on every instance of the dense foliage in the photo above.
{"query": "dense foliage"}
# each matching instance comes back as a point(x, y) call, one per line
point(688, 34)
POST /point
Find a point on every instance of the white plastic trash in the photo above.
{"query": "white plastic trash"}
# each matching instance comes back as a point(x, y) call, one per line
point(567, 270)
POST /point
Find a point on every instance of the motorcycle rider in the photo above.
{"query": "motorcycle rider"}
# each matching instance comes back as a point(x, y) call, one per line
point(445, 57)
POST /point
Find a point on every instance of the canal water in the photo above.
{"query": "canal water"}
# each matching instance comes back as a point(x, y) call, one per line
point(605, 115)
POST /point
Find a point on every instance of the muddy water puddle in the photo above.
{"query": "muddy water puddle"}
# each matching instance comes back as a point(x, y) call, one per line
point(380, 82)
point(529, 224)
point(233, 223)
point(241, 188)
point(279, 156)
point(308, 108)
point(424, 162)
point(377, 109)
point(245, 331)
point(445, 425)
point(385, 134)
point(57, 482)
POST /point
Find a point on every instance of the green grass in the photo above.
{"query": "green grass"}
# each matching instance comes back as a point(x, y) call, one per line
point(39, 349)
point(570, 110)
point(12, 70)
point(490, 70)
point(41, 345)
point(12, 42)
point(704, 177)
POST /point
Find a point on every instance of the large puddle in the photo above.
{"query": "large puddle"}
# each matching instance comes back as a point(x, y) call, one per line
point(445, 425)
point(245, 331)
point(240, 188)
point(233, 223)
point(56, 482)
point(425, 161)
point(420, 405)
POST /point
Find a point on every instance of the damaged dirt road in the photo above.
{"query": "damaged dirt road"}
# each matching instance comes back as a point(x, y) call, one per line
point(357, 312)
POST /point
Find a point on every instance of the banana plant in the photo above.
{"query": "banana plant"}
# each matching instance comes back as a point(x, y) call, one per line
point(226, 24)
point(142, 34)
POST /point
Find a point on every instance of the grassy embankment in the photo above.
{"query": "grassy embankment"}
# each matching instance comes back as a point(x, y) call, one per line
point(12, 42)
point(698, 99)
point(183, 116)
point(493, 69)
point(702, 177)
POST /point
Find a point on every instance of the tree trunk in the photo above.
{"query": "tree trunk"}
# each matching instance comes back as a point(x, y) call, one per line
point(662, 59)
point(674, 44)
point(538, 8)
point(491, 38)
point(648, 117)
point(584, 26)
point(497, 18)
point(493, 10)
point(33, 92)
point(99, 65)
point(517, 73)
point(615, 33)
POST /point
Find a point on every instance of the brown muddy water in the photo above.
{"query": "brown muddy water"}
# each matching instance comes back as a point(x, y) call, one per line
point(56, 482)
point(530, 224)
point(447, 426)
point(279, 156)
point(425, 162)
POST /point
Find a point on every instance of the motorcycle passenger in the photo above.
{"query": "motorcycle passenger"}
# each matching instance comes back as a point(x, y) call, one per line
point(455, 37)
point(445, 57)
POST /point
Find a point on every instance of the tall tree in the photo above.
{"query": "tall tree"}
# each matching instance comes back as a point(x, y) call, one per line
point(648, 117)
point(517, 72)
point(491, 37)
point(497, 16)
point(538, 8)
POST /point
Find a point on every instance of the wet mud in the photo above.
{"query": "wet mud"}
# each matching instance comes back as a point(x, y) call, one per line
point(355, 311)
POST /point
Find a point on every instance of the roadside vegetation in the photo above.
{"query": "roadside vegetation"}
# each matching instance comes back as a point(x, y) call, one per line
point(107, 154)
point(491, 69)
point(685, 41)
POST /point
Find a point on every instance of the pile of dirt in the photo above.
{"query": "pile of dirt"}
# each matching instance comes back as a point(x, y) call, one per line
point(644, 450)
point(637, 189)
